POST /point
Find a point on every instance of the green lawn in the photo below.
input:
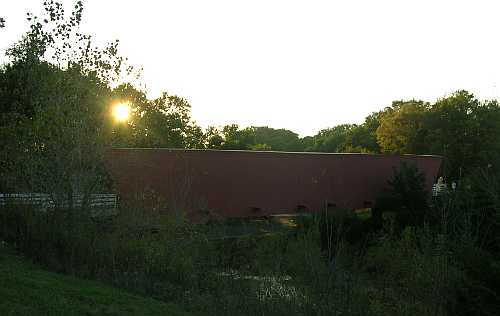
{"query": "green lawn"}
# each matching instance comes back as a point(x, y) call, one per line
point(26, 289)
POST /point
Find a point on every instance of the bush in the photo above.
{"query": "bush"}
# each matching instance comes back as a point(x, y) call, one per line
point(448, 264)
point(415, 274)
point(331, 264)
point(126, 250)
point(406, 196)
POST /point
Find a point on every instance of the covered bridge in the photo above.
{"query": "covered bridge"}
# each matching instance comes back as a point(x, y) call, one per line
point(249, 183)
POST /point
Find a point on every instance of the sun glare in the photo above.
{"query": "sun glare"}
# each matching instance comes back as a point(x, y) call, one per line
point(121, 112)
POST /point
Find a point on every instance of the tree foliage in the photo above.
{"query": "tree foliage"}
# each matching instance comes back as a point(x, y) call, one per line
point(346, 137)
point(459, 127)
point(54, 104)
point(57, 97)
point(402, 128)
point(335, 139)
point(276, 139)
point(464, 130)
point(161, 122)
point(252, 138)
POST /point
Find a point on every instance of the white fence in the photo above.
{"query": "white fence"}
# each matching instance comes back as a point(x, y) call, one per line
point(439, 189)
point(45, 201)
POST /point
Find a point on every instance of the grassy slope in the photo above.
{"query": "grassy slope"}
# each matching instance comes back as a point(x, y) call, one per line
point(26, 289)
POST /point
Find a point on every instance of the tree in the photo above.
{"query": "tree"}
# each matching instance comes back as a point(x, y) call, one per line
point(307, 143)
point(465, 131)
point(277, 139)
point(252, 138)
point(406, 195)
point(335, 139)
point(236, 138)
point(56, 97)
point(164, 122)
point(213, 137)
point(346, 137)
point(364, 136)
point(403, 128)
point(360, 140)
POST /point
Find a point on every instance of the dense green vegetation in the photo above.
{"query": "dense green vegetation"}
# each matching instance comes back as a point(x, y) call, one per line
point(440, 258)
point(27, 289)
point(459, 127)
point(412, 256)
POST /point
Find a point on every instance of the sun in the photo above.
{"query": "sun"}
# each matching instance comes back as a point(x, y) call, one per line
point(121, 112)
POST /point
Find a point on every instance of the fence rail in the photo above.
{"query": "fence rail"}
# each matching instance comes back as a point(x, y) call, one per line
point(44, 201)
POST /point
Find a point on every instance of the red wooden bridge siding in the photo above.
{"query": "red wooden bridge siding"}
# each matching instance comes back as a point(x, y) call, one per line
point(248, 183)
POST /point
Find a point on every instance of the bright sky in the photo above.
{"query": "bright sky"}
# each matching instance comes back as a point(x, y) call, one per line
point(300, 65)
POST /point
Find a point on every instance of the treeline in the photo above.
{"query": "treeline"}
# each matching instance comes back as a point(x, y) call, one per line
point(463, 129)
point(460, 127)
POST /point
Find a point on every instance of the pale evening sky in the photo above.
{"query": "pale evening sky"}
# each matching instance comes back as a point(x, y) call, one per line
point(300, 65)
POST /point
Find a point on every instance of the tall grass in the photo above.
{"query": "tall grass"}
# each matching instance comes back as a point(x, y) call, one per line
point(331, 264)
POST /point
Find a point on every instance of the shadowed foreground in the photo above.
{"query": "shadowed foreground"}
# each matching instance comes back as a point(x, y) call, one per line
point(26, 289)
